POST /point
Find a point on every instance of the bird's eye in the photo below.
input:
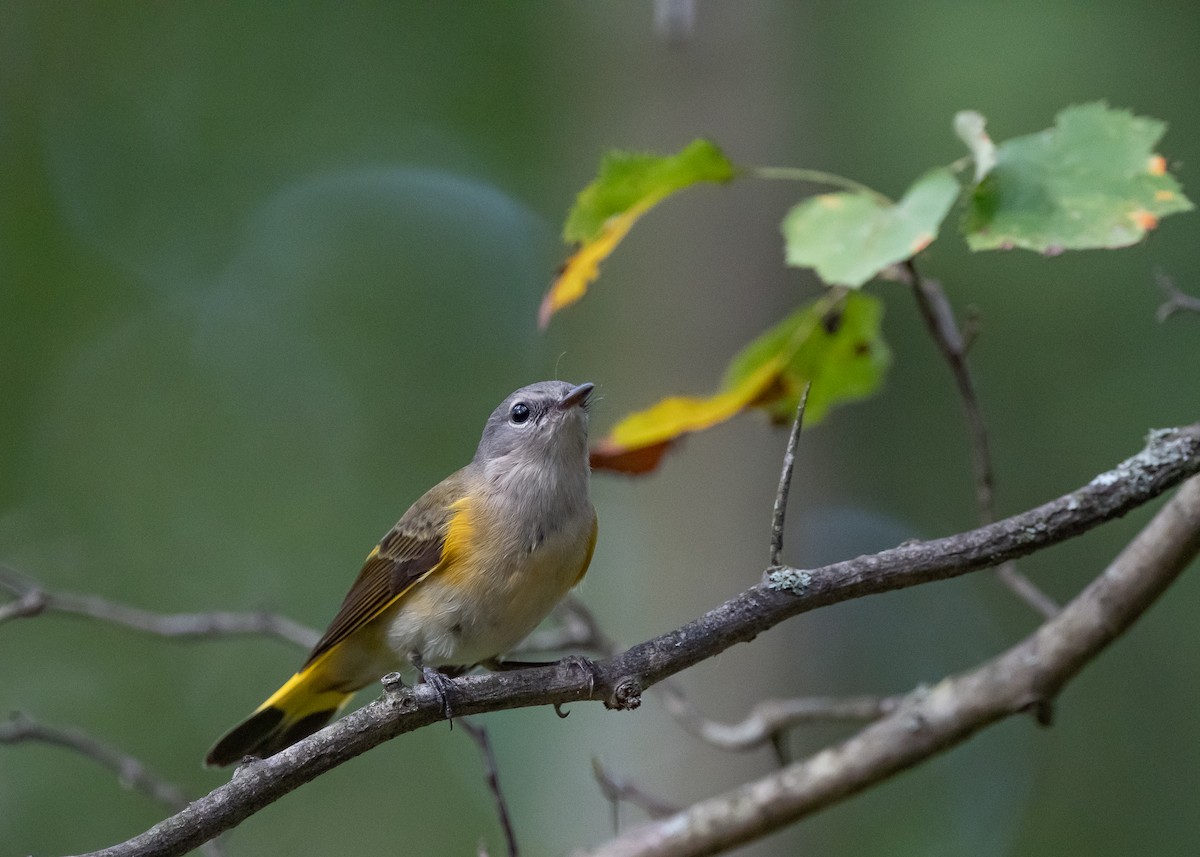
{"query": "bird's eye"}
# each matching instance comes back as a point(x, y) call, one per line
point(520, 413)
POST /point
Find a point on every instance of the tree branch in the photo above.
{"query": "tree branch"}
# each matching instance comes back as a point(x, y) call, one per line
point(33, 600)
point(939, 319)
point(131, 772)
point(1170, 456)
point(932, 720)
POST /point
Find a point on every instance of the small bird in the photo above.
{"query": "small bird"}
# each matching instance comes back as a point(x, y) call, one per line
point(468, 571)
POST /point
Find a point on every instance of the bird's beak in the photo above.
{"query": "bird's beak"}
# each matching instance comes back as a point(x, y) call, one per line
point(575, 396)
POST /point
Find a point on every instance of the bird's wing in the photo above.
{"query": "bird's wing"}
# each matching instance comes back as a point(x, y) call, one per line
point(591, 548)
point(411, 550)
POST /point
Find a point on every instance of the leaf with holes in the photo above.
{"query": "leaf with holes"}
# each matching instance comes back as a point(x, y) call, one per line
point(840, 349)
point(835, 344)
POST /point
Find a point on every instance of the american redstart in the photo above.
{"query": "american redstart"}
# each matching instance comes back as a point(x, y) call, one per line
point(468, 571)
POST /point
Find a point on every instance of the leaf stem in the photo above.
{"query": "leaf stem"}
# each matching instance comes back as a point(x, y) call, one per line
point(800, 174)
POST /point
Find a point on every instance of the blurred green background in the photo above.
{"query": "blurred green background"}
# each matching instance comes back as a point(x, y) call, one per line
point(265, 269)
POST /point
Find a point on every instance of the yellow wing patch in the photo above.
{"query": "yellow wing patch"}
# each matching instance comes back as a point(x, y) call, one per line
point(587, 559)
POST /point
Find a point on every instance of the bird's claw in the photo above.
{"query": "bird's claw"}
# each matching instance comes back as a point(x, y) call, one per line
point(580, 664)
point(444, 685)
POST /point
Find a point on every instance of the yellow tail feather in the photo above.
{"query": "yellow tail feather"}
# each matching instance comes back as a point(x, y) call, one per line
point(303, 705)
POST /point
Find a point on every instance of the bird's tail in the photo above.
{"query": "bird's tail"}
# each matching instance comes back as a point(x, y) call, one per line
point(298, 709)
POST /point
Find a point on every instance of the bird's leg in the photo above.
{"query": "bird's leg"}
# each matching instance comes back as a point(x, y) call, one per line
point(439, 681)
point(570, 662)
point(498, 666)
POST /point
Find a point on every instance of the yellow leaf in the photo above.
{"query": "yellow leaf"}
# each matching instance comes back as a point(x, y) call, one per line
point(628, 185)
point(636, 444)
point(582, 269)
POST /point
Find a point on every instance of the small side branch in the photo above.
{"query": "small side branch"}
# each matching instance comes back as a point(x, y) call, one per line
point(1027, 590)
point(939, 320)
point(1176, 301)
point(769, 719)
point(617, 790)
point(785, 481)
point(492, 773)
point(33, 600)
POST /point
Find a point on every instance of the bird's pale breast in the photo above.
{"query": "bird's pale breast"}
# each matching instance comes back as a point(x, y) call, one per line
point(501, 574)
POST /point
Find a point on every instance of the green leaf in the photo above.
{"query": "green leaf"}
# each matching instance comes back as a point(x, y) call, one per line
point(839, 348)
point(630, 180)
point(1091, 181)
point(835, 343)
point(850, 237)
point(847, 361)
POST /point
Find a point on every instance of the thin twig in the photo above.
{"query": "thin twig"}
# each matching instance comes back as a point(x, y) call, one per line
point(769, 718)
point(1027, 590)
point(930, 721)
point(939, 319)
point(492, 773)
point(30, 603)
point(1176, 300)
point(32, 600)
point(131, 772)
point(785, 481)
point(618, 790)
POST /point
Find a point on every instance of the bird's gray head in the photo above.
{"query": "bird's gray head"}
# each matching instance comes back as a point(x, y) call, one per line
point(544, 424)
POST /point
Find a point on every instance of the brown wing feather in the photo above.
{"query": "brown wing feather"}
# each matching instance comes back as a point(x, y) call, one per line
point(410, 550)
